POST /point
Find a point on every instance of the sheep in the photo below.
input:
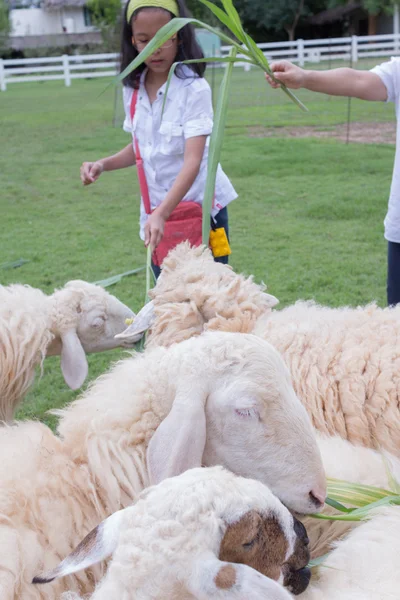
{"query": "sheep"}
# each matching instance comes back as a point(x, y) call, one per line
point(365, 565)
point(345, 362)
point(79, 318)
point(204, 534)
point(220, 398)
point(356, 464)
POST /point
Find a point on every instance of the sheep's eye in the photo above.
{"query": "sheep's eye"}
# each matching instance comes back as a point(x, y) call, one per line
point(246, 413)
point(98, 322)
point(249, 545)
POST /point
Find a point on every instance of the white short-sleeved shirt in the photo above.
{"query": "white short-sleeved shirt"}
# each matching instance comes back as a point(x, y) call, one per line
point(389, 72)
point(188, 113)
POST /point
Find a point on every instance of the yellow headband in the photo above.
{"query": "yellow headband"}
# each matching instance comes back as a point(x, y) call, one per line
point(134, 5)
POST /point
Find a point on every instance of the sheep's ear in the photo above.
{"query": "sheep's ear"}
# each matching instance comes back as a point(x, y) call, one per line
point(74, 365)
point(271, 300)
point(141, 323)
point(178, 444)
point(98, 545)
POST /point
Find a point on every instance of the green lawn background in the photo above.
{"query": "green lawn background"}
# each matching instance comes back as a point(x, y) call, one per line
point(308, 221)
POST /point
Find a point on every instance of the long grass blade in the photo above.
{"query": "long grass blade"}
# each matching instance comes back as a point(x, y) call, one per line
point(234, 17)
point(149, 274)
point(224, 18)
point(338, 506)
point(14, 264)
point(214, 152)
point(117, 278)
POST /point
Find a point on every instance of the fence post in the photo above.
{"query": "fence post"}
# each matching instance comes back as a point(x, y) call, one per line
point(354, 49)
point(300, 52)
point(3, 85)
point(67, 74)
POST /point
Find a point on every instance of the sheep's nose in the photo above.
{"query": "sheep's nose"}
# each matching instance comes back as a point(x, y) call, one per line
point(318, 496)
point(300, 531)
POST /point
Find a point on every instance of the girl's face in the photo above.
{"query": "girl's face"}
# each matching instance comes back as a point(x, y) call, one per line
point(144, 27)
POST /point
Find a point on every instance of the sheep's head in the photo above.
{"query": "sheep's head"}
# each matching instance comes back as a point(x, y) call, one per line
point(226, 531)
point(195, 294)
point(235, 406)
point(85, 318)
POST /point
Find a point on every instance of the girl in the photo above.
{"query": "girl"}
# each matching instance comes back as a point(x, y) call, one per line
point(174, 147)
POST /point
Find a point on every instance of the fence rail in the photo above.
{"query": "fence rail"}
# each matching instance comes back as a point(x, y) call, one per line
point(301, 51)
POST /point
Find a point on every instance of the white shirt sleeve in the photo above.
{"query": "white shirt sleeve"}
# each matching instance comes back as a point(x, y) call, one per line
point(127, 98)
point(198, 115)
point(389, 72)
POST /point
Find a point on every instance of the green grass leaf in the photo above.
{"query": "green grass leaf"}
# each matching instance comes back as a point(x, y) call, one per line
point(117, 278)
point(214, 152)
point(225, 19)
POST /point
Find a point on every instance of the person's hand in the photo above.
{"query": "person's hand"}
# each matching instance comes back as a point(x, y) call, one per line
point(287, 73)
point(154, 230)
point(91, 171)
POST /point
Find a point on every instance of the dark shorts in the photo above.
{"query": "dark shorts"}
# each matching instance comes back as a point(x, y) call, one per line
point(393, 273)
point(220, 220)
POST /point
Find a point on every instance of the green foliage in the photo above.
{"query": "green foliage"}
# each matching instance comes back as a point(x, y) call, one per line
point(5, 25)
point(373, 7)
point(278, 16)
point(106, 15)
point(105, 12)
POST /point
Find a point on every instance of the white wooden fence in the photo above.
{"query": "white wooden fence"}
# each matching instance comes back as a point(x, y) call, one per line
point(301, 51)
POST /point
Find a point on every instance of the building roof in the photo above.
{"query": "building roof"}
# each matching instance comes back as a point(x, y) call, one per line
point(56, 4)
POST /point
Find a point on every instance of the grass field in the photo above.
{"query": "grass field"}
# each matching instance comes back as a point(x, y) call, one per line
point(308, 222)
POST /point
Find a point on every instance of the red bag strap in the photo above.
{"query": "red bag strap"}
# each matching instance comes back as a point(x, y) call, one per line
point(144, 189)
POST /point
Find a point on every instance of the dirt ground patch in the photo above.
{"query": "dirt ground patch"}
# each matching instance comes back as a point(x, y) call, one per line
point(365, 133)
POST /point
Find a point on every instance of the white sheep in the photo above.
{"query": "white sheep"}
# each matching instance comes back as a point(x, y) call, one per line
point(203, 534)
point(217, 399)
point(355, 464)
point(365, 565)
point(79, 318)
point(345, 362)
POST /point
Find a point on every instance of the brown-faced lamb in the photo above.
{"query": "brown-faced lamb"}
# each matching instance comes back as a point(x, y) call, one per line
point(204, 534)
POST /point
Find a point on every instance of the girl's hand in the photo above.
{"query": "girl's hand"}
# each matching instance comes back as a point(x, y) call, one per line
point(91, 171)
point(288, 73)
point(154, 230)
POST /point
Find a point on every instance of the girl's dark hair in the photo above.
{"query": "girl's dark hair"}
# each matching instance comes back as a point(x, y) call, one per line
point(188, 48)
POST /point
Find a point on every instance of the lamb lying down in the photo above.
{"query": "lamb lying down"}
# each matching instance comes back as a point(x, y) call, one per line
point(204, 534)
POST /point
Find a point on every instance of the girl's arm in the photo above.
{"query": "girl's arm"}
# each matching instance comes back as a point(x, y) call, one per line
point(336, 82)
point(154, 228)
point(91, 171)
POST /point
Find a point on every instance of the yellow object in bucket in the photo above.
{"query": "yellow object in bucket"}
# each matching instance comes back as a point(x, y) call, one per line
point(129, 321)
point(219, 242)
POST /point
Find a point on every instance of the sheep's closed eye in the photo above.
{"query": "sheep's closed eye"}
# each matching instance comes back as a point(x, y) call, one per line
point(247, 413)
point(248, 545)
point(98, 322)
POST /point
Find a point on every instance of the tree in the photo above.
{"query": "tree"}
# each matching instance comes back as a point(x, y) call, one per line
point(373, 8)
point(106, 15)
point(277, 15)
point(5, 25)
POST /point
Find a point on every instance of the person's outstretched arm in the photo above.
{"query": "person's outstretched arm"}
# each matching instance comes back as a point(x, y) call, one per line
point(336, 82)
